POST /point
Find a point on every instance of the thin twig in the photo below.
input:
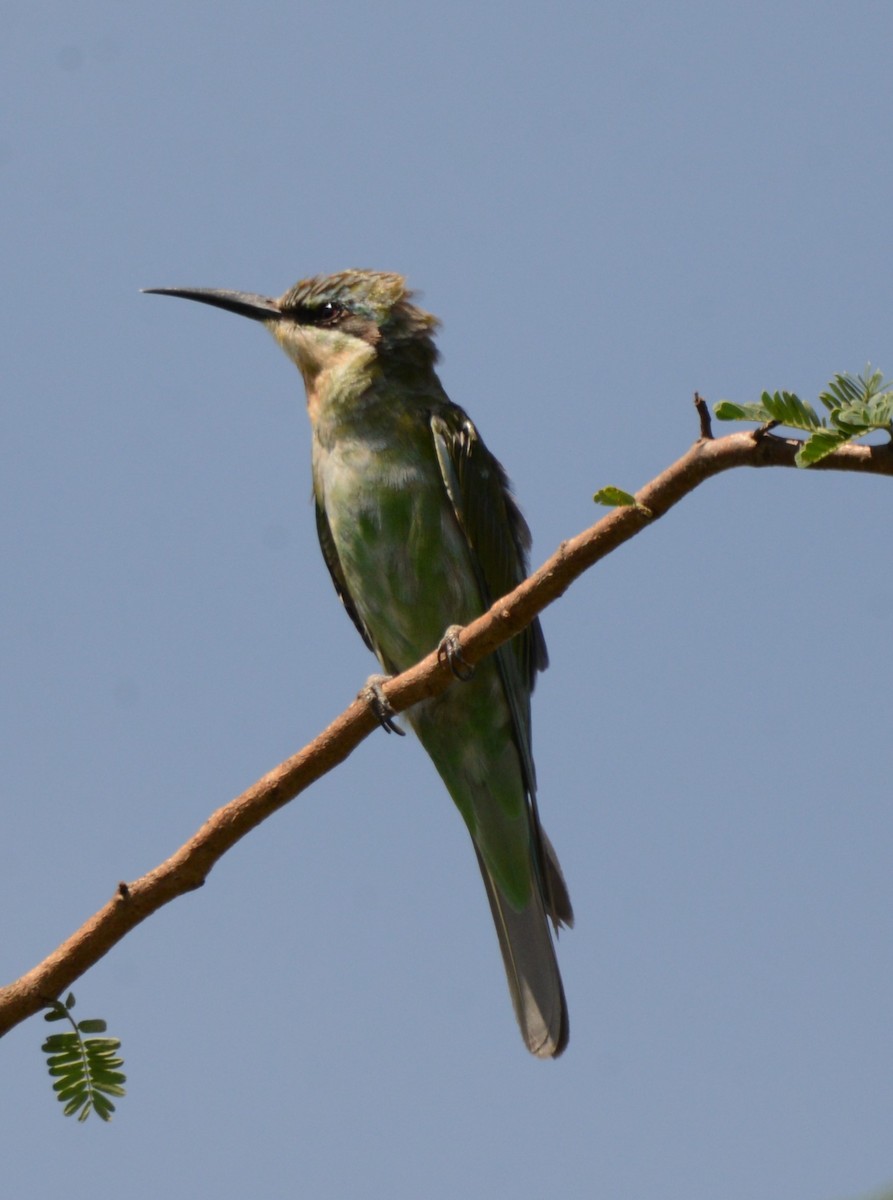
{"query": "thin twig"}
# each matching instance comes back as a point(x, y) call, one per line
point(704, 417)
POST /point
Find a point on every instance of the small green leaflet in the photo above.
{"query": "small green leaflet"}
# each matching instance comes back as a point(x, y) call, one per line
point(726, 410)
point(613, 497)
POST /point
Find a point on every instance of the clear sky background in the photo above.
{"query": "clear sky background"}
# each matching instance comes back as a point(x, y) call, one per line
point(610, 205)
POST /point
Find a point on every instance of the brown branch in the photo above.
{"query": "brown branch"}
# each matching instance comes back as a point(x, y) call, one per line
point(189, 866)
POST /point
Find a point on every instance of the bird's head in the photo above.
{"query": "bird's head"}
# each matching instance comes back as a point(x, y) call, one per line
point(349, 322)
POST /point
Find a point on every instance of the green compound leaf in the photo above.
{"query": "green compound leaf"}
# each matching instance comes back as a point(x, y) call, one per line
point(856, 404)
point(790, 410)
point(819, 446)
point(85, 1070)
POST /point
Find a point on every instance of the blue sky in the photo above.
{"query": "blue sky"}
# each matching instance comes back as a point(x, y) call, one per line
point(609, 206)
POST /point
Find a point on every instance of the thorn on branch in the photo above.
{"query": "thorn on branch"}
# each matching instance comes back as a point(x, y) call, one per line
point(704, 417)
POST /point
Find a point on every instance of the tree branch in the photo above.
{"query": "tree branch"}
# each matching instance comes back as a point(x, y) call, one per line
point(189, 866)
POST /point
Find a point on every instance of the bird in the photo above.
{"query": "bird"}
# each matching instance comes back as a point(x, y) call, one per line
point(421, 533)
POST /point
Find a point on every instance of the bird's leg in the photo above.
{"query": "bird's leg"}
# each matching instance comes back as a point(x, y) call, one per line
point(374, 696)
point(449, 649)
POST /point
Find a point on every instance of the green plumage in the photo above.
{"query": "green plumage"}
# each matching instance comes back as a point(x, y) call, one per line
point(420, 531)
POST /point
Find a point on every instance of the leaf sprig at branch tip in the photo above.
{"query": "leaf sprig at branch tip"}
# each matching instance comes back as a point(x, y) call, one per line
point(857, 405)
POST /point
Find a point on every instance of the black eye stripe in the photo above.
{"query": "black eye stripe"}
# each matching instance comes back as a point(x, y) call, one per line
point(325, 315)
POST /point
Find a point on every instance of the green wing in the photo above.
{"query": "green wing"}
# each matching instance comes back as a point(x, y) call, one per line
point(499, 540)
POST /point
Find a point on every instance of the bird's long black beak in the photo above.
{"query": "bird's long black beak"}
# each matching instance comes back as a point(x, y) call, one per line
point(246, 304)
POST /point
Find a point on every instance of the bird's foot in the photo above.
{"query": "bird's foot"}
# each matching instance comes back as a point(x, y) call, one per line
point(450, 650)
point(374, 696)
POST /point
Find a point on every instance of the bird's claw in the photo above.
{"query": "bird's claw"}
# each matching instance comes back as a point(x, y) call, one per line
point(450, 650)
point(374, 696)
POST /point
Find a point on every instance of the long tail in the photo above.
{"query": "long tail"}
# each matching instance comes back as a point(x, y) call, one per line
point(531, 968)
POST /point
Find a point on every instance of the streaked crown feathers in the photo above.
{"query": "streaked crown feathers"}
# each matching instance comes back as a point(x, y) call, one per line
point(377, 296)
